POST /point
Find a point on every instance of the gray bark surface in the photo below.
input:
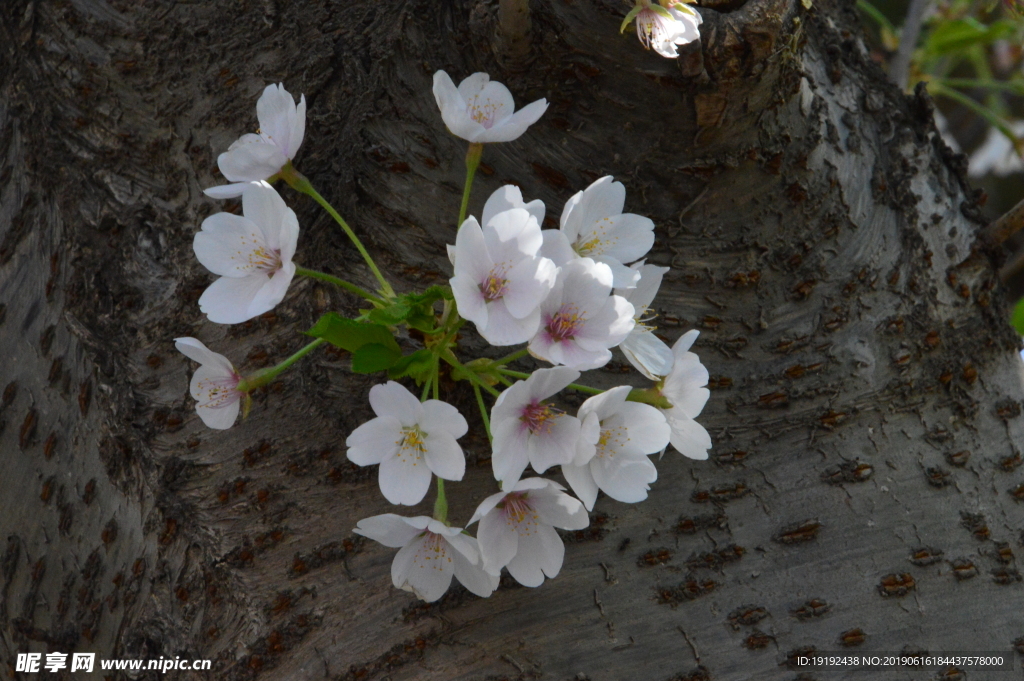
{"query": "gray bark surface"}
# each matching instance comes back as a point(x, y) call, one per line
point(865, 409)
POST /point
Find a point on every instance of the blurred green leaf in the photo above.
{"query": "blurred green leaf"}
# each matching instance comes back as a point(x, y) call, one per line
point(419, 366)
point(959, 34)
point(1017, 317)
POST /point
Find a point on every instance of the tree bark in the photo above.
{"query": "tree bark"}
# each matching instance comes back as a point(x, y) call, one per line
point(865, 384)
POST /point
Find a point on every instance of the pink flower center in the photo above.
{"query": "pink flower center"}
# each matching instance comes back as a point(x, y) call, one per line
point(483, 112)
point(565, 324)
point(516, 507)
point(651, 27)
point(495, 286)
point(218, 392)
point(265, 259)
point(539, 418)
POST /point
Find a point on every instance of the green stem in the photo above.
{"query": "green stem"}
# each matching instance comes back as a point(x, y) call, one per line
point(331, 279)
point(299, 183)
point(264, 376)
point(476, 150)
point(476, 380)
point(426, 388)
point(441, 503)
point(511, 357)
point(483, 410)
point(437, 381)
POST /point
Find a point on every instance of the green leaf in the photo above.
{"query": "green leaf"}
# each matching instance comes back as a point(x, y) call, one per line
point(392, 315)
point(351, 335)
point(419, 366)
point(959, 34)
point(374, 357)
point(1017, 317)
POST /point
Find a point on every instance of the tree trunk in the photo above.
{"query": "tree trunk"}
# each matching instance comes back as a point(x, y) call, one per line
point(864, 480)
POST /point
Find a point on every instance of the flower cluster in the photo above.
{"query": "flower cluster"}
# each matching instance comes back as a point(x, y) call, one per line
point(569, 296)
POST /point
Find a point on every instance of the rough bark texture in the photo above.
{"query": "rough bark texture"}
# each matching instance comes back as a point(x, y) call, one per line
point(865, 404)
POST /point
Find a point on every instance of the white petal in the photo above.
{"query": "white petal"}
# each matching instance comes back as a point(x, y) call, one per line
point(388, 529)
point(471, 86)
point(582, 483)
point(544, 383)
point(404, 480)
point(444, 456)
point(557, 446)
point(227, 300)
point(556, 247)
point(685, 342)
point(625, 479)
point(590, 433)
point(504, 329)
point(196, 351)
point(219, 417)
point(429, 572)
point(453, 107)
point(275, 111)
point(605, 404)
point(498, 540)
point(485, 507)
point(438, 415)
point(540, 553)
point(529, 282)
point(266, 209)
point(376, 439)
point(272, 292)
point(228, 245)
point(474, 578)
point(226, 191)
point(649, 432)
point(512, 128)
point(647, 353)
point(394, 399)
point(558, 509)
point(251, 162)
point(690, 438)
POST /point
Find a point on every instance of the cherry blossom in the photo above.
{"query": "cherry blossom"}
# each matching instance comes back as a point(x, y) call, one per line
point(684, 389)
point(502, 199)
point(500, 280)
point(214, 386)
point(252, 253)
point(580, 319)
point(663, 28)
point(482, 111)
point(517, 529)
point(528, 430)
point(594, 226)
point(259, 156)
point(431, 552)
point(410, 440)
point(642, 348)
point(616, 438)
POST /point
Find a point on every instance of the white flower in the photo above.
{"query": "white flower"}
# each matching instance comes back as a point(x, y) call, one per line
point(997, 154)
point(528, 430)
point(482, 111)
point(642, 348)
point(616, 437)
point(502, 199)
point(431, 552)
point(594, 226)
point(410, 440)
point(253, 255)
point(254, 157)
point(580, 320)
point(500, 280)
point(684, 389)
point(517, 529)
point(663, 29)
point(214, 385)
